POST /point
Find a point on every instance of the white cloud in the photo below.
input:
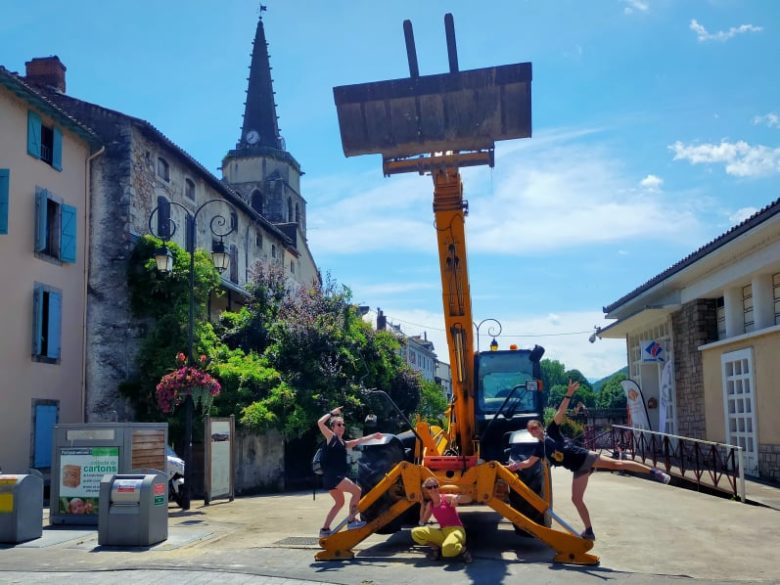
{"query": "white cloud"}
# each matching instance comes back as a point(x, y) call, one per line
point(771, 120)
point(564, 336)
point(703, 35)
point(651, 183)
point(389, 288)
point(741, 215)
point(635, 6)
point(739, 158)
point(552, 193)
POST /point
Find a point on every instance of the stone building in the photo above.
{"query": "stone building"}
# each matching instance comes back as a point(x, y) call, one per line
point(45, 155)
point(708, 329)
point(142, 179)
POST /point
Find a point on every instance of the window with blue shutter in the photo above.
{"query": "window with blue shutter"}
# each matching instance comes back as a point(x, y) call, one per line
point(41, 219)
point(68, 233)
point(55, 227)
point(47, 324)
point(163, 218)
point(46, 414)
point(56, 149)
point(33, 134)
point(5, 175)
point(44, 142)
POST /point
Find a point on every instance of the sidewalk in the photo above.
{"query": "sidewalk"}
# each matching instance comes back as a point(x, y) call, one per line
point(647, 533)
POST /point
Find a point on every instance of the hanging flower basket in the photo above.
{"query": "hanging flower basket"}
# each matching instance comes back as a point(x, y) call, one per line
point(184, 381)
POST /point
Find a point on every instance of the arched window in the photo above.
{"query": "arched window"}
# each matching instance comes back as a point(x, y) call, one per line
point(289, 210)
point(297, 213)
point(257, 201)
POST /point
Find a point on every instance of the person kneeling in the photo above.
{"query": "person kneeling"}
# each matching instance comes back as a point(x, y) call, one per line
point(449, 540)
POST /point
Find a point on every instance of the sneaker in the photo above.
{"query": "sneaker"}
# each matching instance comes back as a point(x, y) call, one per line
point(659, 475)
point(587, 534)
point(465, 556)
point(355, 524)
point(325, 532)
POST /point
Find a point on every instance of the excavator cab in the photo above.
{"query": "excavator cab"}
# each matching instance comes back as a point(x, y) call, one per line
point(507, 395)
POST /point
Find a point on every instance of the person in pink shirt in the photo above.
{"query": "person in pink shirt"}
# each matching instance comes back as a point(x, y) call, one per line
point(449, 540)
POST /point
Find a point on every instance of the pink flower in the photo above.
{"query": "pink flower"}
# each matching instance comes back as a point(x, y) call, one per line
point(185, 381)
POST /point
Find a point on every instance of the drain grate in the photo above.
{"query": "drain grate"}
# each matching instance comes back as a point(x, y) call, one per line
point(299, 540)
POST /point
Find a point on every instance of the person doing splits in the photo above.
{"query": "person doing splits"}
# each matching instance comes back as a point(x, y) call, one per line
point(334, 477)
point(449, 540)
point(581, 461)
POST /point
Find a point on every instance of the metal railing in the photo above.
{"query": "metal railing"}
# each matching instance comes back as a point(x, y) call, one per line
point(689, 458)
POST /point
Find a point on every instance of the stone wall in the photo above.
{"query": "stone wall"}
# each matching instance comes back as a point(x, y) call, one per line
point(692, 326)
point(259, 463)
point(113, 335)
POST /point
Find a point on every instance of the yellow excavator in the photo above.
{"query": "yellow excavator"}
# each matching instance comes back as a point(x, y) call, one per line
point(434, 125)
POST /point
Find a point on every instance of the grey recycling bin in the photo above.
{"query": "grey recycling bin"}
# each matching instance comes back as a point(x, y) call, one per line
point(21, 508)
point(133, 509)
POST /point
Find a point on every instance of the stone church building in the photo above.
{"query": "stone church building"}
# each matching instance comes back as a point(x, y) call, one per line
point(143, 182)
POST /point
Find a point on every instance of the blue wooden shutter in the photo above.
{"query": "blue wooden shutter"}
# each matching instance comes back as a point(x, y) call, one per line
point(37, 332)
point(4, 190)
point(45, 419)
point(41, 231)
point(55, 315)
point(56, 155)
point(68, 223)
point(33, 134)
point(163, 218)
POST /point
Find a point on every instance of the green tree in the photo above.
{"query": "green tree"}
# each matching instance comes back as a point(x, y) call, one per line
point(432, 404)
point(162, 301)
point(612, 394)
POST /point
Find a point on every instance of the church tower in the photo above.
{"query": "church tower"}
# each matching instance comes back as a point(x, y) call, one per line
point(259, 168)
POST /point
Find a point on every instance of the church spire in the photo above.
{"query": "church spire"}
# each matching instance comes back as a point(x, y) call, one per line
point(260, 121)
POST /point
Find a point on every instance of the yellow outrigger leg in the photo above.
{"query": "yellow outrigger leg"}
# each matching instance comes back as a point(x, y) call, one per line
point(479, 484)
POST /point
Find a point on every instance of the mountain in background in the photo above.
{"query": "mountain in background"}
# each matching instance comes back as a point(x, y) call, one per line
point(599, 383)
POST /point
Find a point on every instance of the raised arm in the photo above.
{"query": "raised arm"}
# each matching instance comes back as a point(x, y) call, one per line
point(322, 423)
point(561, 413)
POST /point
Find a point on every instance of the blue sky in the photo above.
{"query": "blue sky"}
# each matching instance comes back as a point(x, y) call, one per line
point(656, 129)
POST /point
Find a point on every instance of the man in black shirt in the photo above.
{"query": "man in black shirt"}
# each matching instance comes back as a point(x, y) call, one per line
point(561, 451)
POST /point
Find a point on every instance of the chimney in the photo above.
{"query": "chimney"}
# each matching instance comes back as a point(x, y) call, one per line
point(381, 320)
point(47, 71)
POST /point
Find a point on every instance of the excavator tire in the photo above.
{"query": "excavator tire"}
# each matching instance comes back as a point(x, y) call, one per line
point(376, 460)
point(533, 478)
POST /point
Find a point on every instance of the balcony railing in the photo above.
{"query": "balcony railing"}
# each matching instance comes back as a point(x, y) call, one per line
point(707, 463)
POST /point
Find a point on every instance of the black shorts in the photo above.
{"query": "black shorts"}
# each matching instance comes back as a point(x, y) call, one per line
point(587, 465)
point(330, 481)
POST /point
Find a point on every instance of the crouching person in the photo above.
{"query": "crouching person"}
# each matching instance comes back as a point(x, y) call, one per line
point(449, 540)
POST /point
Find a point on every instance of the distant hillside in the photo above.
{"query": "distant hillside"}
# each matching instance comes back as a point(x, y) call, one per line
point(599, 383)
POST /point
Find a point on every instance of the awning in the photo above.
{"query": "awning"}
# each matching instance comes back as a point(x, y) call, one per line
point(638, 321)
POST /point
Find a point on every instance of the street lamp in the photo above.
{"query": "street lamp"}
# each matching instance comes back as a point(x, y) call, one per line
point(164, 260)
point(492, 331)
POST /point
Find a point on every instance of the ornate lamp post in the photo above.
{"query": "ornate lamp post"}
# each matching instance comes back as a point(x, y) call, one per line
point(492, 331)
point(164, 260)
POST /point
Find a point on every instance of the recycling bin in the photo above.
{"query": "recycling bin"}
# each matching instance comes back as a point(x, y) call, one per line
point(133, 509)
point(21, 508)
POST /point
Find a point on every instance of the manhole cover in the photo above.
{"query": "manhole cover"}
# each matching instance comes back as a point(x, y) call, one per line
point(299, 540)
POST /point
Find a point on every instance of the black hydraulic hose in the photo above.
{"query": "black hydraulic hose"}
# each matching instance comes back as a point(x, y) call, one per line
point(398, 410)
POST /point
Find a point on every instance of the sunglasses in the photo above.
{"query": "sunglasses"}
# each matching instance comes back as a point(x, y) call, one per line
point(432, 487)
point(338, 424)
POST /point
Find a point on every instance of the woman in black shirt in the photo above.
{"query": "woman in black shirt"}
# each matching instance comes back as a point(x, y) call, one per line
point(561, 451)
point(334, 477)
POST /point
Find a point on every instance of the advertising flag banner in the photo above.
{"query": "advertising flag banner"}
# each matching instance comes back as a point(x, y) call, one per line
point(666, 404)
point(635, 402)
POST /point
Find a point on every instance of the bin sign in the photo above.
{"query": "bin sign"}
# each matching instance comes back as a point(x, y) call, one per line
point(81, 469)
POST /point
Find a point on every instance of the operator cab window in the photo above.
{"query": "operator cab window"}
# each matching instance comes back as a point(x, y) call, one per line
point(498, 374)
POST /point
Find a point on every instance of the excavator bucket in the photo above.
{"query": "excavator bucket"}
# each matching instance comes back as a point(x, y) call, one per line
point(468, 110)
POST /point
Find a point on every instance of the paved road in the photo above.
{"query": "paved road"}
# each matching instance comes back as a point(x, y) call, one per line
point(647, 533)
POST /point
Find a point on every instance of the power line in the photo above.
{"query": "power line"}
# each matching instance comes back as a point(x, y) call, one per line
point(515, 335)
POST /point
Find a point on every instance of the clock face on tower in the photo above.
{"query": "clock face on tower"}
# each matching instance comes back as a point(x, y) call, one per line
point(252, 137)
